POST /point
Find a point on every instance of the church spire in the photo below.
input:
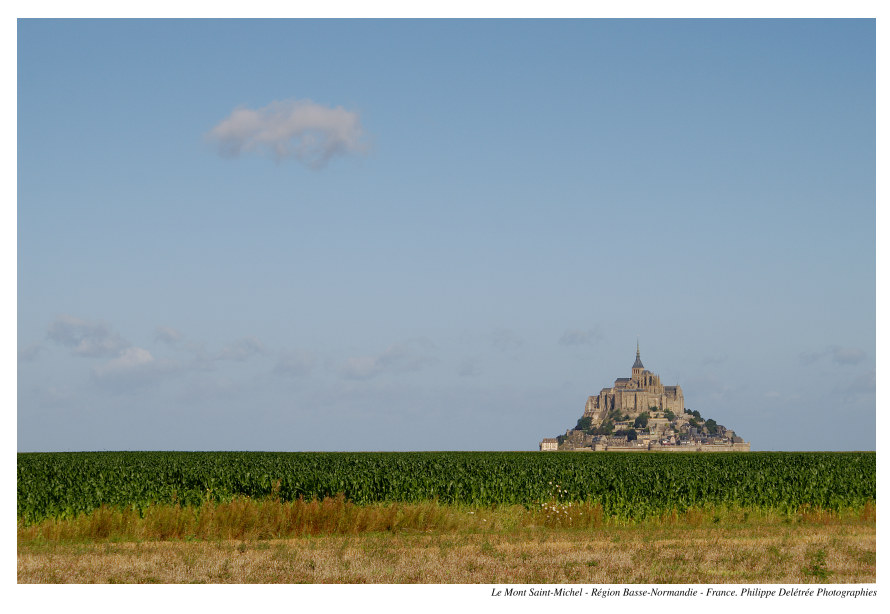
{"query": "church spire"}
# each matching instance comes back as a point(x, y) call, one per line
point(638, 364)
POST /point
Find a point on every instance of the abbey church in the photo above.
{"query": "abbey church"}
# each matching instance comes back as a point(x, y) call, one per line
point(640, 414)
point(634, 395)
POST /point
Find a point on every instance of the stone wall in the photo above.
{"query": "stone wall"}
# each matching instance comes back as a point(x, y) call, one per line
point(655, 447)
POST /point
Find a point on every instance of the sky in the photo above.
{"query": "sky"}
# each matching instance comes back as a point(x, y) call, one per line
point(440, 234)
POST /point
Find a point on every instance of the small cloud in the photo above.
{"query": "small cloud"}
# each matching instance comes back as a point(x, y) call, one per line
point(398, 358)
point(90, 339)
point(580, 337)
point(133, 366)
point(506, 340)
point(864, 384)
point(847, 356)
point(30, 353)
point(361, 367)
point(168, 335)
point(860, 387)
point(294, 364)
point(241, 350)
point(839, 355)
point(303, 130)
point(130, 359)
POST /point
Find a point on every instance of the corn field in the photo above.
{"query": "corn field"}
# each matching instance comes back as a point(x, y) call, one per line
point(64, 485)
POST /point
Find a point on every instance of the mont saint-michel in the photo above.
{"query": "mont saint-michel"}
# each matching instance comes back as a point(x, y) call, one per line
point(640, 414)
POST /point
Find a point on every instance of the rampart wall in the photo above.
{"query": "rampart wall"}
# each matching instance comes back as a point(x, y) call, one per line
point(736, 447)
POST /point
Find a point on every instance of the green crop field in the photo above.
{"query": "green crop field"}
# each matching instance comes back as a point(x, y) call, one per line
point(64, 485)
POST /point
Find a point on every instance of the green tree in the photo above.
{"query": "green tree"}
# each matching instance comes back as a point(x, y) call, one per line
point(583, 423)
point(669, 415)
point(642, 421)
point(711, 425)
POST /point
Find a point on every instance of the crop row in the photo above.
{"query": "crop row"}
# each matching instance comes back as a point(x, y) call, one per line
point(629, 485)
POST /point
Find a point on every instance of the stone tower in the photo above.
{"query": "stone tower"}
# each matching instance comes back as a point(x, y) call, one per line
point(636, 371)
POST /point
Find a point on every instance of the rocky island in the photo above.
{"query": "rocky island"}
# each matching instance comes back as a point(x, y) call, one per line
point(639, 414)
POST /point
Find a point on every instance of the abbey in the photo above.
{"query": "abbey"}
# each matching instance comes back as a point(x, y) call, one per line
point(633, 395)
point(640, 414)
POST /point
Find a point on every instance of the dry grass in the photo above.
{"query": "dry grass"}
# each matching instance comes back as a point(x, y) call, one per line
point(334, 541)
point(248, 519)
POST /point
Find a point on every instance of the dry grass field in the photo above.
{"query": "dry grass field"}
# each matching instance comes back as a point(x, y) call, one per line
point(336, 542)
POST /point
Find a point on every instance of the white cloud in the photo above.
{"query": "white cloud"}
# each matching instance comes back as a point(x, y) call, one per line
point(361, 367)
point(302, 129)
point(91, 339)
point(168, 335)
point(130, 359)
point(132, 367)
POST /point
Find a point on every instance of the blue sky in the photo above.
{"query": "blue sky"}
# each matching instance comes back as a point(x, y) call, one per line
point(440, 235)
